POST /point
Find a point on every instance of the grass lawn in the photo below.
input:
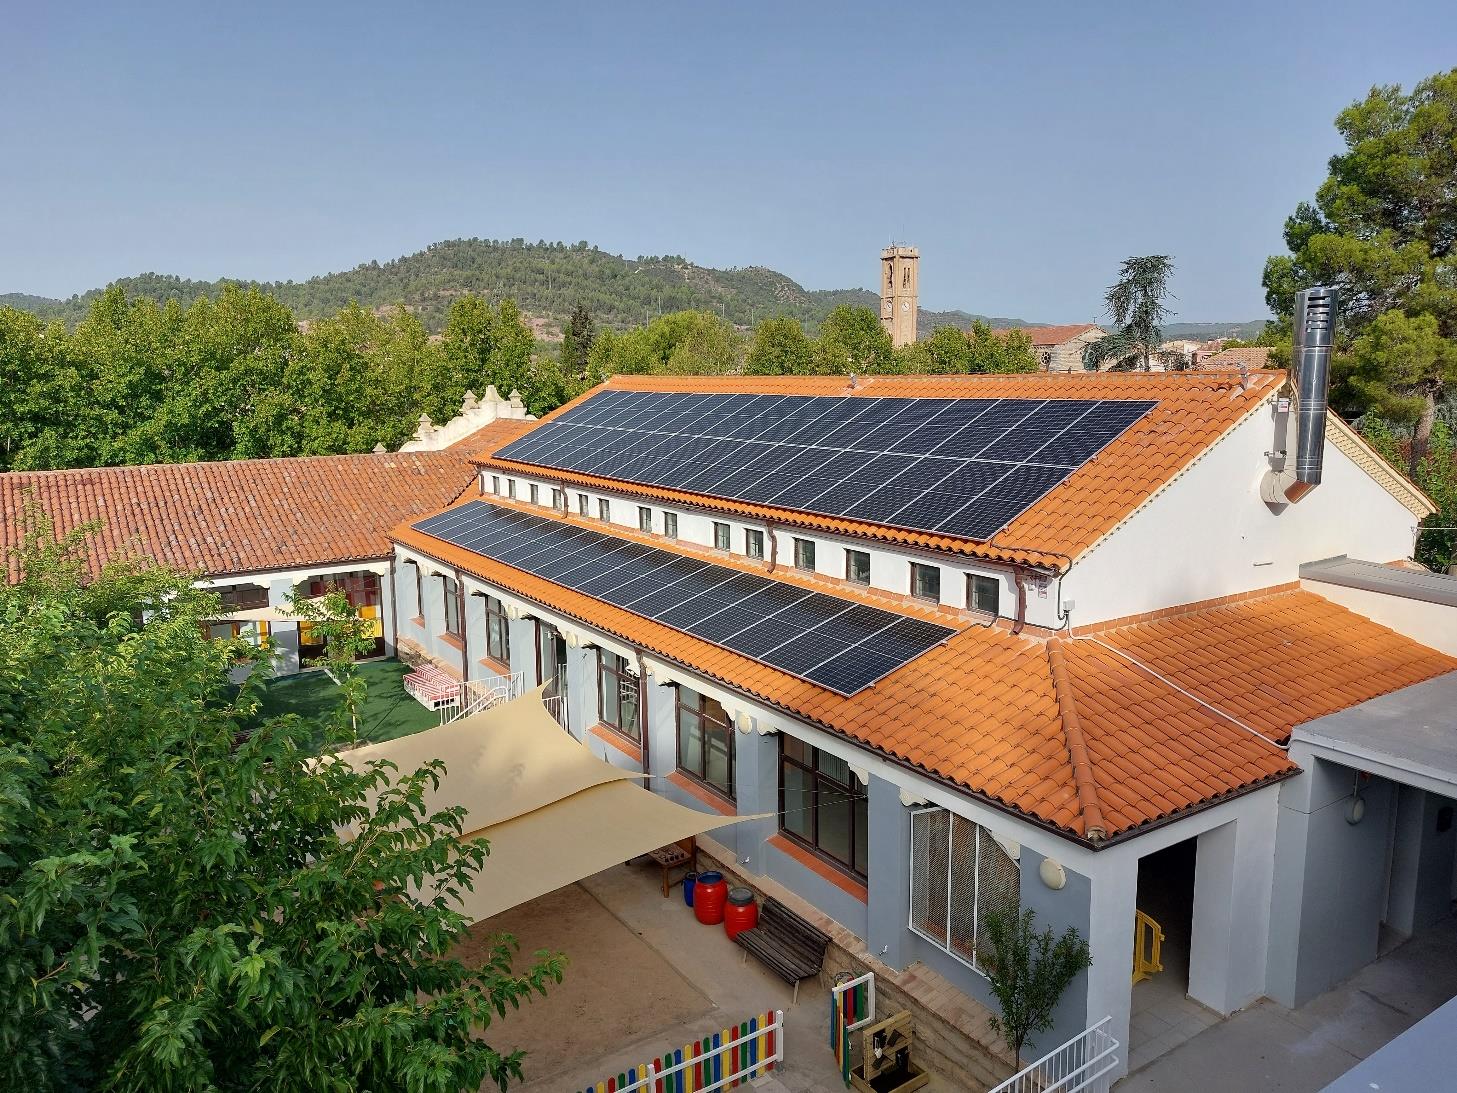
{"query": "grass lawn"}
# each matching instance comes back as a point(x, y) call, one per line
point(388, 711)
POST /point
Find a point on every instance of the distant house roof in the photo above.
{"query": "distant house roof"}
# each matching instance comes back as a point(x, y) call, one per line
point(247, 515)
point(1045, 337)
point(1252, 357)
point(1194, 409)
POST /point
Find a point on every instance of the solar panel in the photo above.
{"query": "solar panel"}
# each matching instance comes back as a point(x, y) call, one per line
point(833, 642)
point(837, 455)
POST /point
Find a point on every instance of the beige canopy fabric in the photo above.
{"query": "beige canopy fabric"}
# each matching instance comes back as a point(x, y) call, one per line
point(552, 812)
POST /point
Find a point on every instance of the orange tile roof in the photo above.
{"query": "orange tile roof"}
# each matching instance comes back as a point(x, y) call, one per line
point(1063, 731)
point(237, 516)
point(1250, 356)
point(1046, 336)
point(1194, 410)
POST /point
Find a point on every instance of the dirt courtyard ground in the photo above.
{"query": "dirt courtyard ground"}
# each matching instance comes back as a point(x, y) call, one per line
point(617, 989)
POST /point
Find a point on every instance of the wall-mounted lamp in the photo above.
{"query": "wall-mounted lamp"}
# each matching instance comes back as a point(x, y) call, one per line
point(1053, 874)
point(1356, 809)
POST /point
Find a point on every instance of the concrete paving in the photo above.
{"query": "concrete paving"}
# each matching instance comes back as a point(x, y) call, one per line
point(1269, 1047)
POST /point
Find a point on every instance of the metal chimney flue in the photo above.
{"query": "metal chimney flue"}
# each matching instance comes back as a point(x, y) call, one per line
point(1315, 322)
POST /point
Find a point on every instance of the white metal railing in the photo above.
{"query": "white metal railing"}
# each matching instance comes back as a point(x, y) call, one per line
point(1083, 1063)
point(476, 695)
point(864, 1014)
point(717, 1060)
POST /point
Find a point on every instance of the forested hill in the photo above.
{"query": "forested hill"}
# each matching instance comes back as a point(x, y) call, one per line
point(548, 280)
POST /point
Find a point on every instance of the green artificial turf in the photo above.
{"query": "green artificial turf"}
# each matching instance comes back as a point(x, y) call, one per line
point(388, 712)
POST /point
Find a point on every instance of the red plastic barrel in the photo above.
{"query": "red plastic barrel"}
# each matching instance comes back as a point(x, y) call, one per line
point(709, 896)
point(742, 913)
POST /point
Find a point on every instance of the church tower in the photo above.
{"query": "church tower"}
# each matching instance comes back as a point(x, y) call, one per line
point(898, 293)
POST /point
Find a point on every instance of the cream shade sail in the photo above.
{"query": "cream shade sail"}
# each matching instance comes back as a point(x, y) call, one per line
point(552, 812)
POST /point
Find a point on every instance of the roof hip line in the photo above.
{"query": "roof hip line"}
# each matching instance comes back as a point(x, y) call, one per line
point(1077, 747)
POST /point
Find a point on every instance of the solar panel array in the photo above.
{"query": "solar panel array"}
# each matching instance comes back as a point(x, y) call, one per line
point(833, 642)
point(965, 467)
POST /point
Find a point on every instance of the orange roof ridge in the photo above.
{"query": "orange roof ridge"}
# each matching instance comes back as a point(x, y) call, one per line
point(1191, 608)
point(1077, 747)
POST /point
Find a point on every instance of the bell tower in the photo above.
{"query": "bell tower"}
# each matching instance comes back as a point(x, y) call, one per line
point(898, 293)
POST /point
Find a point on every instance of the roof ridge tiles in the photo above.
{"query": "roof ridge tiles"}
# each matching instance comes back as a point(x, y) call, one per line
point(1077, 747)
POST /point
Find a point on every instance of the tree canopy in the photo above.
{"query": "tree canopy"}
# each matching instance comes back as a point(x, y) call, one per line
point(177, 907)
point(1383, 228)
point(1136, 304)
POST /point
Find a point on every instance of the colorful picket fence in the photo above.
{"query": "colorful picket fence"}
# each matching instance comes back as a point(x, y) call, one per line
point(723, 1060)
point(852, 1006)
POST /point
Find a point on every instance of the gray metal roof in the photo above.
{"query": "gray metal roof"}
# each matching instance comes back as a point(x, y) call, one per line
point(1411, 584)
point(1420, 1058)
point(1414, 728)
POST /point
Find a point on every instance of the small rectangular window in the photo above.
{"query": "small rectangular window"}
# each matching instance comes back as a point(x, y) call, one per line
point(452, 605)
point(753, 544)
point(857, 566)
point(926, 582)
point(804, 554)
point(604, 509)
point(498, 631)
point(720, 535)
point(511, 488)
point(496, 484)
point(670, 525)
point(583, 504)
point(535, 494)
point(983, 593)
point(644, 518)
point(559, 500)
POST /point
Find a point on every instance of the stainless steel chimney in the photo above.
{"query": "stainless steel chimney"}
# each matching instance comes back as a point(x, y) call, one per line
point(1315, 321)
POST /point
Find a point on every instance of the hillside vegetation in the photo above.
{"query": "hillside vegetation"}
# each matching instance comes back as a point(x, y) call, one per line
point(548, 280)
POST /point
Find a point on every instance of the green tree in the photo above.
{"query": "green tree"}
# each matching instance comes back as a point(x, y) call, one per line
point(179, 910)
point(510, 363)
point(780, 348)
point(1002, 351)
point(1435, 474)
point(852, 340)
point(1028, 972)
point(948, 351)
point(1136, 303)
point(577, 337)
point(1383, 228)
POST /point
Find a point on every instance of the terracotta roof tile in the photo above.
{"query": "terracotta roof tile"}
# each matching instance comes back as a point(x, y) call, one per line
point(1194, 409)
point(1047, 336)
point(237, 516)
point(983, 712)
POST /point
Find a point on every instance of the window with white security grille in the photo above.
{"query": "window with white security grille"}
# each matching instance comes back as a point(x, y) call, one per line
point(959, 874)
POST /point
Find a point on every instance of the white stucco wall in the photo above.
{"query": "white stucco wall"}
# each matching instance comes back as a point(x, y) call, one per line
point(1208, 533)
point(1431, 624)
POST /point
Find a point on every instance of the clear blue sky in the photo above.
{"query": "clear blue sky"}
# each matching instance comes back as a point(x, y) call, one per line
point(1026, 148)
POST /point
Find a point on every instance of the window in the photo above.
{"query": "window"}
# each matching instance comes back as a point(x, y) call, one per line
point(857, 566)
point(926, 582)
point(983, 593)
point(644, 518)
point(419, 589)
point(535, 493)
point(753, 544)
point(959, 874)
point(822, 805)
point(511, 488)
point(705, 741)
point(452, 605)
point(604, 509)
point(670, 525)
point(804, 554)
point(559, 500)
point(583, 504)
point(720, 535)
point(243, 597)
point(617, 690)
point(498, 631)
point(495, 483)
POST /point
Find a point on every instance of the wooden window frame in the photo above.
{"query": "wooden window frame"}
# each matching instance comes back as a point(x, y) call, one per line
point(704, 720)
point(495, 611)
point(610, 679)
point(917, 568)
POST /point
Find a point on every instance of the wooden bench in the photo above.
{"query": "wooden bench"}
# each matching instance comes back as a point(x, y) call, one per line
point(787, 945)
point(670, 857)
